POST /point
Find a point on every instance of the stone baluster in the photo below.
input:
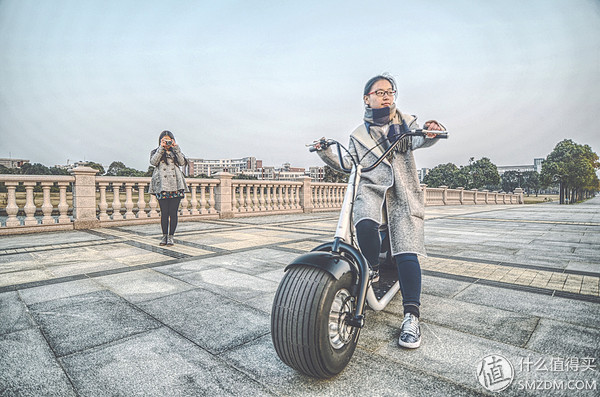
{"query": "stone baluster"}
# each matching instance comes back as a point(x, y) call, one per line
point(249, 205)
point(11, 206)
point(183, 205)
point(261, 199)
point(255, 206)
point(287, 197)
point(211, 199)
point(63, 206)
point(116, 203)
point(268, 204)
point(129, 200)
point(102, 205)
point(194, 199)
point(203, 199)
point(47, 205)
point(153, 206)
point(141, 202)
point(29, 207)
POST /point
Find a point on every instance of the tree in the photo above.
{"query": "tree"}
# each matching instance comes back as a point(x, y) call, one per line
point(442, 175)
point(331, 175)
point(96, 166)
point(573, 167)
point(510, 181)
point(531, 182)
point(480, 174)
point(117, 168)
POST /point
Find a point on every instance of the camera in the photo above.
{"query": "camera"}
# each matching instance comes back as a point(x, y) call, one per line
point(169, 143)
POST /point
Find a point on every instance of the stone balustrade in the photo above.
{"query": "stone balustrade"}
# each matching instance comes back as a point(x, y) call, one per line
point(84, 200)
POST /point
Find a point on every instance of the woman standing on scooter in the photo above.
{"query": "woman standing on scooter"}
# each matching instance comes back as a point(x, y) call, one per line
point(390, 191)
point(168, 183)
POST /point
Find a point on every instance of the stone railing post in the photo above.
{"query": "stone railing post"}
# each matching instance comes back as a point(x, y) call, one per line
point(519, 192)
point(223, 195)
point(306, 194)
point(474, 195)
point(84, 198)
point(461, 194)
point(444, 194)
point(424, 190)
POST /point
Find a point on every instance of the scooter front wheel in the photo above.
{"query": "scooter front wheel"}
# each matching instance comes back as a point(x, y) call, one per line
point(308, 321)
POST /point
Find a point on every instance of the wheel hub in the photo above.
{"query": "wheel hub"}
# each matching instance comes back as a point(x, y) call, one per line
point(342, 307)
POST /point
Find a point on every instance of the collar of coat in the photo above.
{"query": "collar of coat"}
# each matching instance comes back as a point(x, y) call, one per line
point(362, 136)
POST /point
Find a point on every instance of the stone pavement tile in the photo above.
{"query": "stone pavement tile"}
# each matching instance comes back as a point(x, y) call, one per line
point(46, 238)
point(79, 322)
point(264, 303)
point(565, 340)
point(141, 259)
point(455, 356)
point(58, 291)
point(213, 321)
point(255, 261)
point(366, 375)
point(142, 285)
point(156, 363)
point(29, 368)
point(14, 315)
point(579, 265)
point(233, 284)
point(25, 276)
point(182, 227)
point(84, 266)
point(440, 286)
point(188, 266)
point(533, 304)
point(273, 275)
point(488, 322)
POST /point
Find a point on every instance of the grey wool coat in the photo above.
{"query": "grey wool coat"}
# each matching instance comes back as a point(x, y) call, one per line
point(395, 180)
point(167, 177)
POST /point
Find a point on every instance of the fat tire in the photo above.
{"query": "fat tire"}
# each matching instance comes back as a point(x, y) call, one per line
point(300, 321)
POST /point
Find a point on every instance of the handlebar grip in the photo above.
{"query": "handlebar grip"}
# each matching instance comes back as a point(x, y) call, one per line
point(312, 149)
point(443, 135)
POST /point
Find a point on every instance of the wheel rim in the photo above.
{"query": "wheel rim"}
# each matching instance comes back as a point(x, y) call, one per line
point(340, 333)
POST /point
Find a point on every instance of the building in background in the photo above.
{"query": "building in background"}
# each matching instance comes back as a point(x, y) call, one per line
point(13, 163)
point(536, 166)
point(197, 167)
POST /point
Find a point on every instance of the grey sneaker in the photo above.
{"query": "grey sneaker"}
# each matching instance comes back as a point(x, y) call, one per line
point(410, 333)
point(170, 240)
point(163, 240)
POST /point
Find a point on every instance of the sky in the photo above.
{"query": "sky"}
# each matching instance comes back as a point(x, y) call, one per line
point(99, 80)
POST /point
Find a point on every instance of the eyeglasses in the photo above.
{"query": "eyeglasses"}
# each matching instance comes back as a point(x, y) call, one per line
point(382, 92)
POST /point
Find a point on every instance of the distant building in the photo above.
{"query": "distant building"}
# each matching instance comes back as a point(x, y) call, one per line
point(234, 166)
point(13, 163)
point(73, 165)
point(422, 172)
point(316, 173)
point(536, 166)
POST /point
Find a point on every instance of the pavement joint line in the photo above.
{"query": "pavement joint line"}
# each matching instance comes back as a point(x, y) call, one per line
point(524, 221)
point(56, 247)
point(513, 264)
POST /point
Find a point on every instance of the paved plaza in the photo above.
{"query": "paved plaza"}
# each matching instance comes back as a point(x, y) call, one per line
point(107, 312)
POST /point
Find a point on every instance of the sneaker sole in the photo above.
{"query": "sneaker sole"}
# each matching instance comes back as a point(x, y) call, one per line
point(408, 345)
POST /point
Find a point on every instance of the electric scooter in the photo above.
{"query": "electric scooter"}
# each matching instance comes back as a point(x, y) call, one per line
point(318, 309)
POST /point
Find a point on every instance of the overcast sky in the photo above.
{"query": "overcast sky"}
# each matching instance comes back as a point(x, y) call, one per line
point(99, 80)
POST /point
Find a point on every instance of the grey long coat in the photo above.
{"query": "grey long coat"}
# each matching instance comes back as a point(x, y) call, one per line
point(396, 180)
point(167, 177)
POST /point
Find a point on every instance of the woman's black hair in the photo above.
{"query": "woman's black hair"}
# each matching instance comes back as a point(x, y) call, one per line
point(164, 156)
point(375, 79)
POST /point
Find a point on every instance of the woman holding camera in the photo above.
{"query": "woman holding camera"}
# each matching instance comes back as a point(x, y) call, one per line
point(168, 183)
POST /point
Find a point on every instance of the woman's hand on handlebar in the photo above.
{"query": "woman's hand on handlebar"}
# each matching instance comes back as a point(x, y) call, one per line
point(321, 144)
point(433, 125)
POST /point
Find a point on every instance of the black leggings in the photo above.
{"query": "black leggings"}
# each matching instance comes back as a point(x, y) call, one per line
point(168, 214)
point(409, 269)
